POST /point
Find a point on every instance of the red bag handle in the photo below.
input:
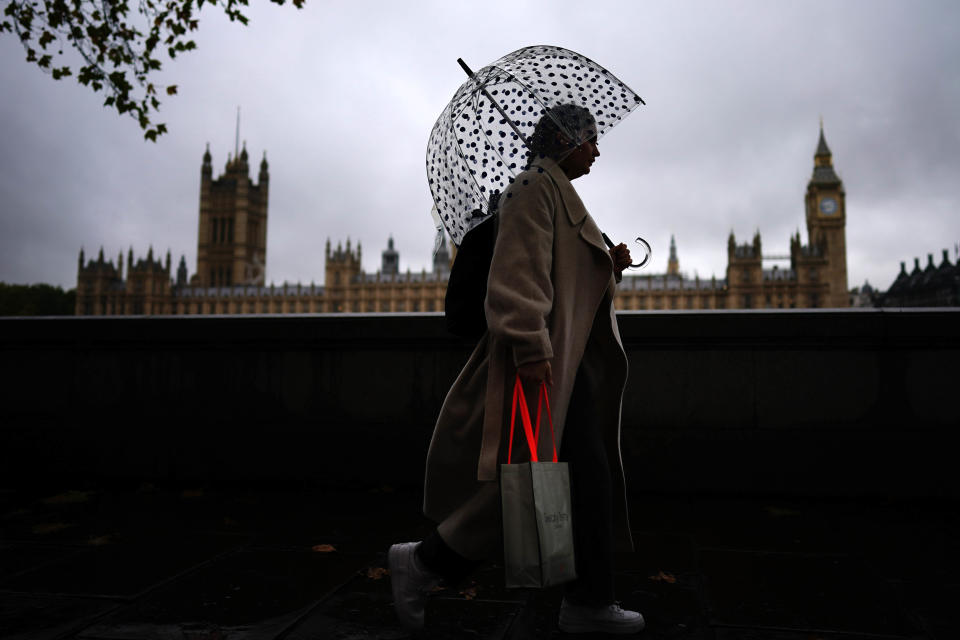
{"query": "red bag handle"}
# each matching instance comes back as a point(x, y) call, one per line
point(533, 438)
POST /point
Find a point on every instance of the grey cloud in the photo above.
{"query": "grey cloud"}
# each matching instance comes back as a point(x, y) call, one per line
point(342, 98)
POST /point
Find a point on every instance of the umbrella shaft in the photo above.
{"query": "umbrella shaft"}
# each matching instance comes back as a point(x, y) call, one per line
point(496, 104)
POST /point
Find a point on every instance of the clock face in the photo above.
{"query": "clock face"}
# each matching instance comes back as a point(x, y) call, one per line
point(828, 206)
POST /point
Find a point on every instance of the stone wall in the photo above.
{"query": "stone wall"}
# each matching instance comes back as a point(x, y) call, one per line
point(825, 403)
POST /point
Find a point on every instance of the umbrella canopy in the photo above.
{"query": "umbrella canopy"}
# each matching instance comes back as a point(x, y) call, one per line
point(479, 142)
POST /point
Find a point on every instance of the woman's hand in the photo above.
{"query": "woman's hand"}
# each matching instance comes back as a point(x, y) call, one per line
point(533, 373)
point(620, 255)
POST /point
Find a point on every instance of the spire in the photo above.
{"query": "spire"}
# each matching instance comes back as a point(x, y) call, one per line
point(823, 173)
point(823, 151)
point(236, 146)
point(441, 259)
point(673, 265)
point(206, 169)
point(263, 164)
point(182, 272)
point(81, 257)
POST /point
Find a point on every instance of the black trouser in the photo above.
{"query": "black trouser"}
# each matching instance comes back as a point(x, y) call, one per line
point(592, 501)
point(591, 495)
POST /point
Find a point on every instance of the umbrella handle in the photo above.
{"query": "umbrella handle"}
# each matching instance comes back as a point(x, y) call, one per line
point(643, 245)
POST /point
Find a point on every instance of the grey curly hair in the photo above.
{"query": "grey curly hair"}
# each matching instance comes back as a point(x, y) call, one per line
point(575, 124)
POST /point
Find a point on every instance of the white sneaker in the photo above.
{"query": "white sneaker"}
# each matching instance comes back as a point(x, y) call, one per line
point(601, 619)
point(410, 581)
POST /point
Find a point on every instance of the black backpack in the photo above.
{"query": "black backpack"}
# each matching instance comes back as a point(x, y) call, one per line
point(467, 286)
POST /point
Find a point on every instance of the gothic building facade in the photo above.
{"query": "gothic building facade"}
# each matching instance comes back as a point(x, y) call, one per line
point(232, 252)
point(931, 286)
point(816, 275)
point(231, 266)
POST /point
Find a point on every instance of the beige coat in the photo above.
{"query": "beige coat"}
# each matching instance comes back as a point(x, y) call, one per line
point(549, 296)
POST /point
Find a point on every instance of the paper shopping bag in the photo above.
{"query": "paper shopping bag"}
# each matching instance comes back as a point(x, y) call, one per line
point(535, 498)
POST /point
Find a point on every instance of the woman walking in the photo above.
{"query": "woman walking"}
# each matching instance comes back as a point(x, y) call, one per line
point(550, 317)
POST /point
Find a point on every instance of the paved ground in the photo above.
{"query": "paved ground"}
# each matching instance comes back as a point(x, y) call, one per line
point(203, 564)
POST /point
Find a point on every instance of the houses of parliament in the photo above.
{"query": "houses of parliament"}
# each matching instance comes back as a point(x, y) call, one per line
point(230, 276)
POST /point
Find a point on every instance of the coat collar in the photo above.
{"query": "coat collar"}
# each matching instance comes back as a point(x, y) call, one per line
point(572, 203)
point(576, 211)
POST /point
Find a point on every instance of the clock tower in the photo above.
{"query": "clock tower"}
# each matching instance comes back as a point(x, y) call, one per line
point(826, 224)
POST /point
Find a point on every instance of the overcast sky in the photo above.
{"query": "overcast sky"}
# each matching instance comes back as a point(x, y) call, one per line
point(342, 97)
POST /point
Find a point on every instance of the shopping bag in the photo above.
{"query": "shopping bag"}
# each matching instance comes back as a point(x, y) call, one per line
point(535, 498)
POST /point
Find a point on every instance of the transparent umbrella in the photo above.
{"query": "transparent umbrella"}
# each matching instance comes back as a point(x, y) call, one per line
point(479, 142)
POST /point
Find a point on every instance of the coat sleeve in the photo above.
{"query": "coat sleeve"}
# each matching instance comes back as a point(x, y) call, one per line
point(520, 287)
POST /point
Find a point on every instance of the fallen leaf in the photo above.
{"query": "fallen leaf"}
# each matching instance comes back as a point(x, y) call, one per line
point(469, 593)
point(191, 493)
point(663, 577)
point(69, 497)
point(324, 548)
point(375, 573)
point(229, 522)
point(382, 489)
point(100, 540)
point(44, 529)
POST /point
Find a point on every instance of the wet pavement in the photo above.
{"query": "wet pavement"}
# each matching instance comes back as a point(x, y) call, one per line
point(237, 564)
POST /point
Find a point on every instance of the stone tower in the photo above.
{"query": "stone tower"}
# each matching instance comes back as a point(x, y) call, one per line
point(441, 259)
point(389, 259)
point(744, 273)
point(232, 238)
point(343, 267)
point(826, 224)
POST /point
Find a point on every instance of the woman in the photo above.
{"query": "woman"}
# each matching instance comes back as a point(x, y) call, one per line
point(550, 319)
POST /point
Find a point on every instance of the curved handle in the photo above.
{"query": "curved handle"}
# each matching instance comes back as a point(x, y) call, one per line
point(647, 251)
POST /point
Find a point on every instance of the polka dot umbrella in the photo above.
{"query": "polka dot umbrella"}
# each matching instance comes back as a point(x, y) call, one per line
point(479, 143)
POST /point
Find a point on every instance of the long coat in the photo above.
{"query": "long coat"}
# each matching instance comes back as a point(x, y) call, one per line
point(549, 296)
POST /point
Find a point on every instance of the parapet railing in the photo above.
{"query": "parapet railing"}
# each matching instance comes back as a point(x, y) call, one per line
point(800, 402)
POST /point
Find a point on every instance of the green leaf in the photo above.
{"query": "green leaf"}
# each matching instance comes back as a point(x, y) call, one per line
point(118, 40)
point(46, 38)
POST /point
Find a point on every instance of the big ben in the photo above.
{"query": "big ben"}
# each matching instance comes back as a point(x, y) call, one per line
point(826, 223)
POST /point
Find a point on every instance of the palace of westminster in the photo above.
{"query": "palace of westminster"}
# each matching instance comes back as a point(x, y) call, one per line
point(232, 253)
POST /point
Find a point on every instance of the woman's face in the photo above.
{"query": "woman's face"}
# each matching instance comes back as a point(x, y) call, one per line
point(578, 162)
